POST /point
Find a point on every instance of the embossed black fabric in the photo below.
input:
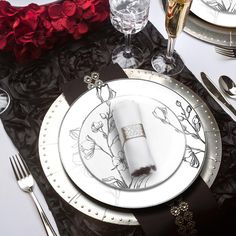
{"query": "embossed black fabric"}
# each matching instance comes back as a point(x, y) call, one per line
point(35, 85)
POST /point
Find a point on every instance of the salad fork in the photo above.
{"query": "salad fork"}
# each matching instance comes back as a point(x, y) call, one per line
point(226, 51)
point(25, 181)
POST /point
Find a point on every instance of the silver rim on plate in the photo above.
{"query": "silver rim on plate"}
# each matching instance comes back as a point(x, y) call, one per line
point(218, 12)
point(56, 175)
point(210, 33)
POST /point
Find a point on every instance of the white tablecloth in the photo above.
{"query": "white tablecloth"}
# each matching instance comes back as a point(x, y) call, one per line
point(18, 214)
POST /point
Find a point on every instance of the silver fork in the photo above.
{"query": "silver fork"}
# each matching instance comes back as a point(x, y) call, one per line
point(25, 181)
point(226, 51)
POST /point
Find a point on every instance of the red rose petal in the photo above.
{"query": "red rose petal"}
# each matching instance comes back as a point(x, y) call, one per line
point(37, 9)
point(6, 9)
point(3, 42)
point(84, 3)
point(55, 11)
point(16, 23)
point(69, 8)
point(82, 28)
point(47, 24)
point(30, 19)
point(69, 24)
point(58, 25)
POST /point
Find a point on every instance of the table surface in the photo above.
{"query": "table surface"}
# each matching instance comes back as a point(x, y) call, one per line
point(16, 206)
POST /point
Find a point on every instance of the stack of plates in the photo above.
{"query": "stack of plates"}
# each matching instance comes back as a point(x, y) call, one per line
point(213, 21)
point(83, 160)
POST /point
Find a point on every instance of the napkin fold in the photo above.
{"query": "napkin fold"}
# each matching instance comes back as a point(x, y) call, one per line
point(128, 121)
point(196, 206)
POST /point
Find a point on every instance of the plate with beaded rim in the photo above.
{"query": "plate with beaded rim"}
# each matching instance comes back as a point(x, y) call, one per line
point(58, 178)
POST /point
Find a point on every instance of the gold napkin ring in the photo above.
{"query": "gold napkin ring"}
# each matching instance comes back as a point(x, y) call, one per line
point(133, 131)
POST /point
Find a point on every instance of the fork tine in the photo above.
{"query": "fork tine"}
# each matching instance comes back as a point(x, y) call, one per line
point(228, 52)
point(225, 52)
point(14, 168)
point(27, 171)
point(20, 167)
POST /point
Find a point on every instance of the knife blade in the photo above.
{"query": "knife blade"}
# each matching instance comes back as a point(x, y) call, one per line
point(216, 93)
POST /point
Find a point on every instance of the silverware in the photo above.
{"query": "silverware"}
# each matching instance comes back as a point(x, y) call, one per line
point(26, 182)
point(228, 86)
point(216, 93)
point(226, 51)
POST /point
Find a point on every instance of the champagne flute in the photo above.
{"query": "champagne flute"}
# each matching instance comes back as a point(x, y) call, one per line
point(169, 62)
point(128, 17)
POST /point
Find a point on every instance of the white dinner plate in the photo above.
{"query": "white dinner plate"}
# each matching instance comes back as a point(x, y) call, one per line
point(174, 130)
point(218, 12)
point(62, 184)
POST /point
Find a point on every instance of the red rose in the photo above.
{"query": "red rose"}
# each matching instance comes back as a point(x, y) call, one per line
point(80, 29)
point(84, 4)
point(28, 31)
point(58, 25)
point(3, 40)
point(5, 33)
point(30, 19)
point(55, 11)
point(24, 52)
point(7, 10)
point(69, 8)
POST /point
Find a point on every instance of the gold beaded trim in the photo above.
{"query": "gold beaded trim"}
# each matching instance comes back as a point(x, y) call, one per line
point(184, 219)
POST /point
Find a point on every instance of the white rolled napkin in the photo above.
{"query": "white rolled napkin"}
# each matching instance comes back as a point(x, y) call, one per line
point(128, 121)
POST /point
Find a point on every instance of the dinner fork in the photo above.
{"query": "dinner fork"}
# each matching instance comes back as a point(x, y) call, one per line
point(226, 51)
point(25, 181)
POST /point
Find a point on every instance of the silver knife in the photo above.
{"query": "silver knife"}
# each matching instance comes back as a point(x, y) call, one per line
point(216, 93)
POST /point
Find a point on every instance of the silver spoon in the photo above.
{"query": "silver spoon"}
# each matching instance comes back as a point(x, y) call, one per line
point(4, 100)
point(228, 86)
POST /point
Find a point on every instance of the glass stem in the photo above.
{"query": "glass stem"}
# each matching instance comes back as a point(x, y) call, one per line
point(170, 49)
point(127, 52)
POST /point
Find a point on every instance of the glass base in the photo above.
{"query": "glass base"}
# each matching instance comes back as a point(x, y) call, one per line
point(165, 67)
point(127, 60)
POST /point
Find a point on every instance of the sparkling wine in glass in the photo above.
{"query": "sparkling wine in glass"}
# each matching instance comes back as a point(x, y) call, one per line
point(169, 62)
point(129, 17)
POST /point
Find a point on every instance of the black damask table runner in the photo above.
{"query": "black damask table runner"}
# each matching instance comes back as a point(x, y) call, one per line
point(35, 85)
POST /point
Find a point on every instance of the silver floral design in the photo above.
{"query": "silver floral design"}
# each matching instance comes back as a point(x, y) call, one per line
point(191, 127)
point(103, 137)
point(105, 93)
point(224, 6)
point(97, 140)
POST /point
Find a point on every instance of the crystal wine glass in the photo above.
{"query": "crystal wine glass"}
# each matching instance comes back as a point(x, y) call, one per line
point(169, 62)
point(128, 17)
